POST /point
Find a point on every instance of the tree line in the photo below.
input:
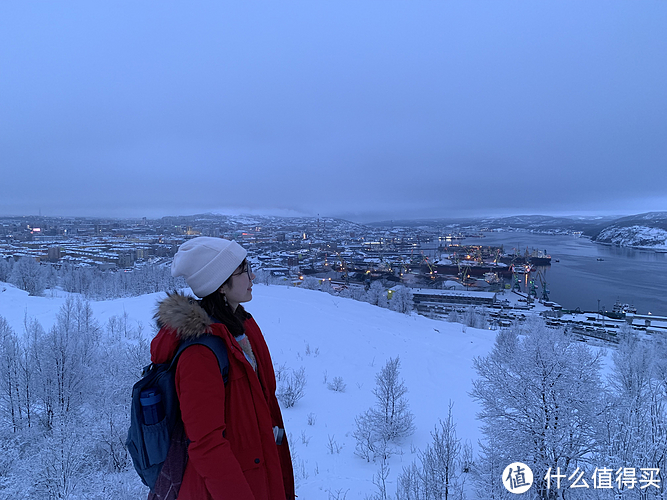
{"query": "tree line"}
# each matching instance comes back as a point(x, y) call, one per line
point(91, 282)
point(64, 406)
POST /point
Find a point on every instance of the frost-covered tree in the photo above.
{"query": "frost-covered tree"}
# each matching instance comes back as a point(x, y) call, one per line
point(541, 397)
point(60, 470)
point(439, 474)
point(401, 300)
point(118, 373)
point(18, 383)
point(636, 414)
point(393, 413)
point(454, 316)
point(390, 420)
point(488, 470)
point(96, 284)
point(310, 283)
point(352, 292)
point(70, 396)
point(475, 317)
point(376, 294)
point(326, 287)
point(66, 361)
point(9, 375)
point(5, 270)
point(32, 338)
point(28, 275)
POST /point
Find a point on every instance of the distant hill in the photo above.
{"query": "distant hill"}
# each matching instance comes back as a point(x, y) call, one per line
point(540, 223)
point(545, 223)
point(647, 230)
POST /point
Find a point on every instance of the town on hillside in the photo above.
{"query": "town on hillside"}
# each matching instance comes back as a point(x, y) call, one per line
point(444, 276)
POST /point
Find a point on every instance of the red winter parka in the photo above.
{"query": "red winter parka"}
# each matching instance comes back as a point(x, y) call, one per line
point(232, 454)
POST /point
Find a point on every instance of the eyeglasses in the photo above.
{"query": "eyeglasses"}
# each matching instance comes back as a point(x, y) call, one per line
point(245, 269)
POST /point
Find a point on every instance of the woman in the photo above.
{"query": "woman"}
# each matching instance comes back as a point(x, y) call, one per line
point(234, 428)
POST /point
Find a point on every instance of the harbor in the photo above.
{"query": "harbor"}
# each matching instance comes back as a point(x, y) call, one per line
point(592, 291)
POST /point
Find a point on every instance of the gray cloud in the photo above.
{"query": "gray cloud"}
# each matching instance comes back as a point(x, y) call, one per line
point(356, 110)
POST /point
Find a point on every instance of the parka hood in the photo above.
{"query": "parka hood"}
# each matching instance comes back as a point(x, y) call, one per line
point(179, 316)
point(183, 314)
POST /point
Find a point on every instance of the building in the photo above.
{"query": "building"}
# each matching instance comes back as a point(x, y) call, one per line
point(125, 260)
point(54, 254)
point(442, 301)
point(460, 297)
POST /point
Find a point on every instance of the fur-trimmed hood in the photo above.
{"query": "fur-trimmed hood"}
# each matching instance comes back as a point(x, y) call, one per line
point(179, 316)
point(183, 314)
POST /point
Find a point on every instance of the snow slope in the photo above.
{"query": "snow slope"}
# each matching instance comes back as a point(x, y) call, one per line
point(331, 336)
point(647, 230)
point(635, 236)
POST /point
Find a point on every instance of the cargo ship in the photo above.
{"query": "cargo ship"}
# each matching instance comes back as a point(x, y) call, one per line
point(471, 268)
point(540, 258)
point(536, 258)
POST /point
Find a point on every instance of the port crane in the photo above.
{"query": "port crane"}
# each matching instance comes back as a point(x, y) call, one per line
point(425, 260)
point(532, 290)
point(343, 268)
point(496, 259)
point(543, 284)
point(516, 283)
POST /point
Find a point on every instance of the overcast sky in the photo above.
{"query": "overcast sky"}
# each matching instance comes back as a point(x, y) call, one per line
point(366, 110)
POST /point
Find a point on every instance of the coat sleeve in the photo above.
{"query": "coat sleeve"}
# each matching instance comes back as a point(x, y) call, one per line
point(201, 393)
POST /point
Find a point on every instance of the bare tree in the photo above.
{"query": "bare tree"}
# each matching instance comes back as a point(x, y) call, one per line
point(9, 375)
point(392, 411)
point(439, 476)
point(291, 388)
point(389, 420)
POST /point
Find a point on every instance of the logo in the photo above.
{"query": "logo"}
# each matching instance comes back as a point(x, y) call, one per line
point(517, 478)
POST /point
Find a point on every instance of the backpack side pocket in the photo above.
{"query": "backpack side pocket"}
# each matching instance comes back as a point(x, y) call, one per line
point(156, 439)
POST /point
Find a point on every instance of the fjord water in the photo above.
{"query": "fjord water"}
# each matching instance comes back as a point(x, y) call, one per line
point(579, 279)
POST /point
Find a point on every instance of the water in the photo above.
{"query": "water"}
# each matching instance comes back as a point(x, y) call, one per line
point(632, 276)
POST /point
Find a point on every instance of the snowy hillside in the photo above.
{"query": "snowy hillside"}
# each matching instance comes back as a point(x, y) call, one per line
point(648, 230)
point(634, 236)
point(331, 337)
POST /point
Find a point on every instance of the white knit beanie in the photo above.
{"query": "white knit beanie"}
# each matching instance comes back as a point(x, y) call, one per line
point(206, 263)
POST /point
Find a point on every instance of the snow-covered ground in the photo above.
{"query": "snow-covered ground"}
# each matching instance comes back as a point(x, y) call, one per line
point(332, 337)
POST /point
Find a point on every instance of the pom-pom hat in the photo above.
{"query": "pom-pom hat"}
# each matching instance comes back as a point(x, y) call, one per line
point(206, 263)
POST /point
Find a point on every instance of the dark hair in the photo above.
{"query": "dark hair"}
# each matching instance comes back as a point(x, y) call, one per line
point(214, 305)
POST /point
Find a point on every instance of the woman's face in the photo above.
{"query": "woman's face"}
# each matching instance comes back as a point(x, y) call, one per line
point(239, 287)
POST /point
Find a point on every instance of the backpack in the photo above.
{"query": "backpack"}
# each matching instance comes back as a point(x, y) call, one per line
point(156, 439)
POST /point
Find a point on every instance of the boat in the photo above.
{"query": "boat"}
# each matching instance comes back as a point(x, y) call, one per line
point(600, 259)
point(536, 258)
point(624, 308)
point(540, 258)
